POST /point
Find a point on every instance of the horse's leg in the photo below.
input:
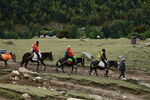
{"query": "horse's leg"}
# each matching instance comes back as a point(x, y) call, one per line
point(72, 69)
point(44, 65)
point(96, 71)
point(106, 73)
point(62, 67)
point(76, 68)
point(26, 63)
point(37, 66)
point(5, 63)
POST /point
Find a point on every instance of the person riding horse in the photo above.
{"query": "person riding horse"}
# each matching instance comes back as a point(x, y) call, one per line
point(69, 56)
point(36, 50)
point(102, 57)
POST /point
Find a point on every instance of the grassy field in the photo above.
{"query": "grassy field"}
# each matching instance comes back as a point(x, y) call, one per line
point(136, 57)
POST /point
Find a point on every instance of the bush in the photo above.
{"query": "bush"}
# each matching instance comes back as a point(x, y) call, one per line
point(138, 35)
point(63, 34)
point(147, 34)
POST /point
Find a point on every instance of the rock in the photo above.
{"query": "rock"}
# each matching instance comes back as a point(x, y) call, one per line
point(26, 96)
point(35, 37)
point(42, 36)
point(145, 84)
point(74, 99)
point(38, 79)
point(87, 55)
point(124, 97)
point(138, 46)
point(26, 76)
point(24, 70)
point(96, 97)
point(15, 73)
point(81, 39)
point(147, 44)
point(16, 78)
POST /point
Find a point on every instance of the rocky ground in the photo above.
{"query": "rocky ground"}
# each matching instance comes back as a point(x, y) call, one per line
point(65, 86)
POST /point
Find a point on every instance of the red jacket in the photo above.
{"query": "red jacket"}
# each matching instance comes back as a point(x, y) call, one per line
point(70, 53)
point(35, 48)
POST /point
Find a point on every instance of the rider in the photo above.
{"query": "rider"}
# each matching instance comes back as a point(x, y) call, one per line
point(102, 57)
point(69, 55)
point(36, 49)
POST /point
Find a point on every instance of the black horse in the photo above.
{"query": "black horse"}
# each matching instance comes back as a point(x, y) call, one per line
point(28, 57)
point(94, 66)
point(11, 56)
point(61, 63)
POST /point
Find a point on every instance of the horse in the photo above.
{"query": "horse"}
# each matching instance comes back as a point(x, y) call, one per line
point(28, 57)
point(6, 56)
point(94, 66)
point(80, 60)
point(61, 62)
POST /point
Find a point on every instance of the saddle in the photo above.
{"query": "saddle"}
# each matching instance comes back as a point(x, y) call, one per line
point(101, 64)
point(35, 58)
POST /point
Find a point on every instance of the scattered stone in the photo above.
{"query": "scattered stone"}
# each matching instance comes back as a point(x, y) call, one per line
point(124, 97)
point(36, 37)
point(138, 46)
point(38, 79)
point(26, 76)
point(145, 84)
point(96, 97)
point(26, 96)
point(24, 70)
point(15, 73)
point(16, 78)
point(74, 99)
point(14, 82)
point(147, 44)
point(82, 39)
point(42, 36)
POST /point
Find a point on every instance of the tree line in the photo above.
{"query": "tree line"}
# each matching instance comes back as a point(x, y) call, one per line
point(107, 18)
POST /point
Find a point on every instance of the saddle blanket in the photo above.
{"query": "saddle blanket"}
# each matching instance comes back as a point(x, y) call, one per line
point(35, 58)
point(101, 64)
point(6, 56)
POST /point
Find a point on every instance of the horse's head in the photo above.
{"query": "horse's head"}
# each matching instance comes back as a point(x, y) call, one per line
point(50, 56)
point(13, 55)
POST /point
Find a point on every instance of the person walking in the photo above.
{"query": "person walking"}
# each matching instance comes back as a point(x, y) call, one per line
point(122, 68)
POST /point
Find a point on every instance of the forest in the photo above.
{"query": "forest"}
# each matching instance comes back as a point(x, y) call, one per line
point(22, 19)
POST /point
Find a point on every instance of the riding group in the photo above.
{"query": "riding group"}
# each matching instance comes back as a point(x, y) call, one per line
point(68, 60)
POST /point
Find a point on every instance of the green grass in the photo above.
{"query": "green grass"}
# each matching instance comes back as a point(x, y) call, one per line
point(106, 83)
point(136, 57)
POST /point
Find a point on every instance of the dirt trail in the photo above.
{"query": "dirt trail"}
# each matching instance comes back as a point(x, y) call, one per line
point(115, 95)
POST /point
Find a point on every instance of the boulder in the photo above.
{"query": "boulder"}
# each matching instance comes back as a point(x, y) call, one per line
point(147, 44)
point(38, 79)
point(24, 70)
point(15, 73)
point(87, 55)
point(96, 97)
point(26, 76)
point(74, 99)
point(26, 96)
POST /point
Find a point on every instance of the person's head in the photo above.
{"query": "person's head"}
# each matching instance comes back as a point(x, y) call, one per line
point(37, 42)
point(103, 50)
point(123, 59)
point(68, 47)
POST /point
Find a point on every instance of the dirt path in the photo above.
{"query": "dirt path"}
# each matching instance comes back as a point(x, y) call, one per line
point(56, 84)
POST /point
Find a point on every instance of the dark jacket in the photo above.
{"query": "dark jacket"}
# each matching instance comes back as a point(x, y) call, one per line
point(122, 66)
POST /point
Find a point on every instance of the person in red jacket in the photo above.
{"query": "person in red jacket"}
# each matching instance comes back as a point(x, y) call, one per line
point(36, 49)
point(69, 54)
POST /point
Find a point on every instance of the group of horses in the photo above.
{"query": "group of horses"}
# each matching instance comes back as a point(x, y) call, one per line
point(94, 65)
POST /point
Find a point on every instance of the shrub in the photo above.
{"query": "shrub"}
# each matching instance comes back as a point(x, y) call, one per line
point(63, 34)
point(138, 35)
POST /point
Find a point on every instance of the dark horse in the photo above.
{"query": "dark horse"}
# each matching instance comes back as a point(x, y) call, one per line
point(12, 56)
point(61, 63)
point(94, 66)
point(28, 57)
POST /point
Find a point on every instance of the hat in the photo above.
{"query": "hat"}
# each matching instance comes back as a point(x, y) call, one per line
point(68, 46)
point(123, 59)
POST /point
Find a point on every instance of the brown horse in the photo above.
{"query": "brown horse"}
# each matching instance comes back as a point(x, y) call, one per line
point(6, 56)
point(28, 57)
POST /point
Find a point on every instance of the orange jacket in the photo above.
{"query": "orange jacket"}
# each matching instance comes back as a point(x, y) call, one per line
point(35, 48)
point(70, 53)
